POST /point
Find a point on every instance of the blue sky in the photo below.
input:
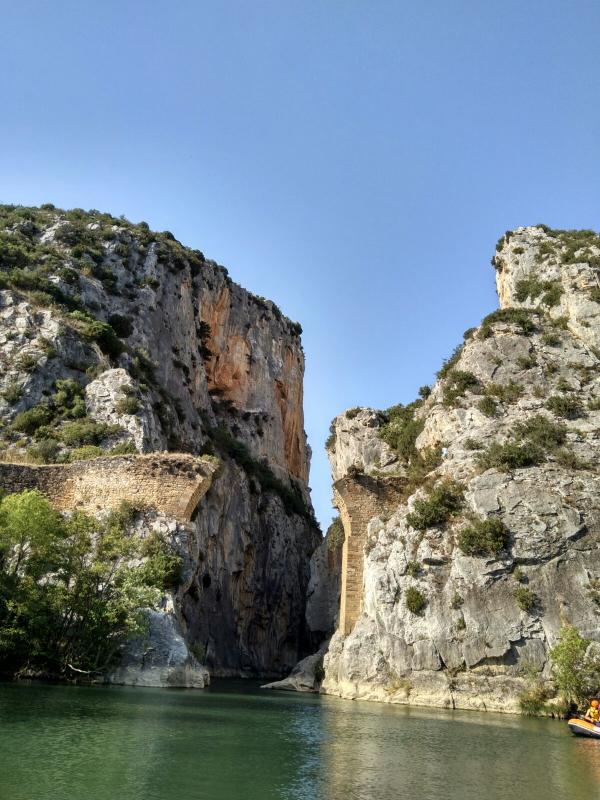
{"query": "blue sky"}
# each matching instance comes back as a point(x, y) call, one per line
point(354, 161)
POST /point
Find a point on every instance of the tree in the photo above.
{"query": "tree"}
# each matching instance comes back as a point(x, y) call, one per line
point(73, 590)
point(576, 666)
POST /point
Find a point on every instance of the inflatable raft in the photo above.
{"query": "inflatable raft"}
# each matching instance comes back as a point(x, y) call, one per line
point(581, 727)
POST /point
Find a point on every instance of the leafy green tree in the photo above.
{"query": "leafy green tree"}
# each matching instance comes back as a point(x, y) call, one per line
point(72, 591)
point(577, 672)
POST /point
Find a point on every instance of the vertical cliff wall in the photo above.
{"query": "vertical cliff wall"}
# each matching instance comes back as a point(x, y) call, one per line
point(114, 340)
point(460, 586)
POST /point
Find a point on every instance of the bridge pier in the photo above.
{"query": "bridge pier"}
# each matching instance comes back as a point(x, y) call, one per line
point(359, 498)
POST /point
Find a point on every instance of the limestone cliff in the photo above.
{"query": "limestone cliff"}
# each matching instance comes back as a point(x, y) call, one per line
point(472, 516)
point(117, 341)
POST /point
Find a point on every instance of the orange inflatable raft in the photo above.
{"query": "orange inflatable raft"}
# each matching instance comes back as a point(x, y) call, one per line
point(581, 727)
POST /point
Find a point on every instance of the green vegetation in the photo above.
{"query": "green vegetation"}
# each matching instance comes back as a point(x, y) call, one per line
point(523, 318)
point(127, 405)
point(473, 444)
point(551, 339)
point(519, 575)
point(319, 671)
point(532, 287)
point(450, 362)
point(69, 595)
point(12, 393)
point(505, 392)
point(290, 496)
point(330, 441)
point(415, 601)
point(487, 406)
point(401, 429)
point(566, 406)
point(457, 383)
point(457, 601)
point(60, 423)
point(335, 534)
point(413, 568)
point(542, 432)
point(577, 674)
point(485, 537)
point(443, 501)
point(533, 440)
point(86, 452)
point(526, 599)
point(526, 362)
point(353, 412)
point(85, 431)
point(533, 701)
point(510, 456)
point(122, 449)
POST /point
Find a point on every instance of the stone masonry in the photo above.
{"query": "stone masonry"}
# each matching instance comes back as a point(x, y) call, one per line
point(172, 483)
point(358, 498)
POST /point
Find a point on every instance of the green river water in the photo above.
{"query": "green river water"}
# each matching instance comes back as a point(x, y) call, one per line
point(235, 741)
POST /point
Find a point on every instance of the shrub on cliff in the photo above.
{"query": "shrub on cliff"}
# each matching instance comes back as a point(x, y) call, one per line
point(533, 287)
point(541, 431)
point(434, 510)
point(458, 382)
point(415, 601)
point(487, 406)
point(29, 421)
point(290, 496)
point(510, 455)
point(71, 590)
point(85, 431)
point(401, 429)
point(486, 537)
point(565, 406)
point(523, 318)
point(526, 599)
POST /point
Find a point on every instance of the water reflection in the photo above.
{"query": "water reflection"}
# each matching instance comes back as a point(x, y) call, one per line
point(66, 743)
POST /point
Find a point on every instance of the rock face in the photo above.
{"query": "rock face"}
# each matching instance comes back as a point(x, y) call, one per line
point(115, 340)
point(436, 611)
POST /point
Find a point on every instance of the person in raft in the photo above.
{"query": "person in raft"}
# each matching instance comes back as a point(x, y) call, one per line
point(592, 714)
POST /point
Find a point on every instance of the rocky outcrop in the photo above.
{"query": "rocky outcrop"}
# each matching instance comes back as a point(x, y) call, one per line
point(493, 540)
point(117, 341)
point(160, 657)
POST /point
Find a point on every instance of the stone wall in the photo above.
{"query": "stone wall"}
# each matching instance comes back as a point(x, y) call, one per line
point(172, 483)
point(358, 499)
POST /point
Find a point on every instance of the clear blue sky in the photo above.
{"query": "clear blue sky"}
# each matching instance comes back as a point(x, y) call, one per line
point(354, 161)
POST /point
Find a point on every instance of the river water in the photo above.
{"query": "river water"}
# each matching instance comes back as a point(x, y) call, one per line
point(235, 742)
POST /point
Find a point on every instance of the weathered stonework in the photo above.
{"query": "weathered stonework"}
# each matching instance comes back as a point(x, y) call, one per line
point(171, 483)
point(358, 499)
